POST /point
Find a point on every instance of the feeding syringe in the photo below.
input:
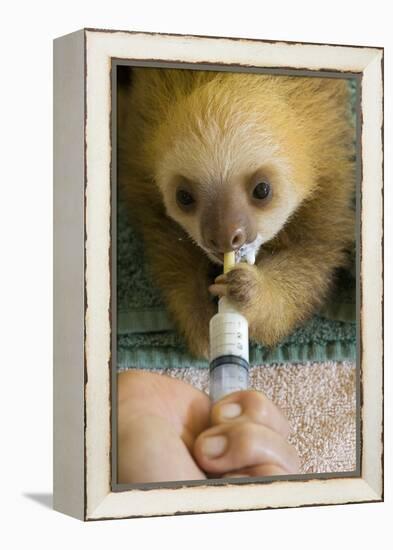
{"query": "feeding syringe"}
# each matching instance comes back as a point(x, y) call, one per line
point(228, 346)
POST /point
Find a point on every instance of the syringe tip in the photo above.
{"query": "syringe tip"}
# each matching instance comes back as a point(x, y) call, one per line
point(229, 261)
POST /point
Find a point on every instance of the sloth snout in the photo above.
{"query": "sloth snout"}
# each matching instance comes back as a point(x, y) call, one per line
point(227, 239)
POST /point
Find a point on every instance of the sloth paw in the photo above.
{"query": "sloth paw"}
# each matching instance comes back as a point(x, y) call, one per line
point(241, 285)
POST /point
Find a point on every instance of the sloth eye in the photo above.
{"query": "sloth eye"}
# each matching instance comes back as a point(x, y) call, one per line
point(261, 190)
point(184, 198)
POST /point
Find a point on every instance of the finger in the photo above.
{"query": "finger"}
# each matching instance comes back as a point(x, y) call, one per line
point(250, 405)
point(264, 470)
point(238, 445)
point(218, 290)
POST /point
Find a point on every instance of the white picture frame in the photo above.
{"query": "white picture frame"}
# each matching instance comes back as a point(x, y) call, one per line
point(83, 410)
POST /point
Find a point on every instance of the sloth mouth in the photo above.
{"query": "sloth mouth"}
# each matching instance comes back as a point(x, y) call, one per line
point(246, 253)
point(249, 251)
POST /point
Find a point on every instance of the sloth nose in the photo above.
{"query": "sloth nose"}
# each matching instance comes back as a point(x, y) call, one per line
point(226, 241)
point(237, 239)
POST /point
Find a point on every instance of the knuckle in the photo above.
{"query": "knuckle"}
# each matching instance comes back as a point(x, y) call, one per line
point(246, 434)
point(256, 404)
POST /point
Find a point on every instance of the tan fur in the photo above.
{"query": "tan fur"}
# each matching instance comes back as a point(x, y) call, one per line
point(214, 130)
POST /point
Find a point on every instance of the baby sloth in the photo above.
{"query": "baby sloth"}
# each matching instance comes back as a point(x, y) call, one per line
point(211, 162)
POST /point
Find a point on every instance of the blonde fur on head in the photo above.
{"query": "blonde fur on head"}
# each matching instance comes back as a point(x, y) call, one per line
point(214, 137)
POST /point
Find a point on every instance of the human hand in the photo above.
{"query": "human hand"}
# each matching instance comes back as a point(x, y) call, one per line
point(247, 437)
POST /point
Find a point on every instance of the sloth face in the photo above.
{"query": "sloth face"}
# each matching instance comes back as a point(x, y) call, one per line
point(231, 188)
point(239, 213)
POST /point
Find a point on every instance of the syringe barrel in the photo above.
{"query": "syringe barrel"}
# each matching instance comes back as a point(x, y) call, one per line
point(227, 377)
point(228, 352)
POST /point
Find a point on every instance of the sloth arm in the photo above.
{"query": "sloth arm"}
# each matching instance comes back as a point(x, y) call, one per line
point(293, 283)
point(181, 271)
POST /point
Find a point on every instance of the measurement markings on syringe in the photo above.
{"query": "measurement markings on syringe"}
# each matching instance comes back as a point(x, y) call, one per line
point(236, 333)
point(227, 347)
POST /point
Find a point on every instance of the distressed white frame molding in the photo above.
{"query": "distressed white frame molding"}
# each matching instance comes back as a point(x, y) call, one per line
point(82, 375)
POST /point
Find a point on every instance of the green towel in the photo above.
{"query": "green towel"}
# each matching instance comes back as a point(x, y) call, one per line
point(146, 337)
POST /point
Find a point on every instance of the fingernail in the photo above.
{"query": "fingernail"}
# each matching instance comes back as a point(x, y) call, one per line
point(214, 446)
point(230, 410)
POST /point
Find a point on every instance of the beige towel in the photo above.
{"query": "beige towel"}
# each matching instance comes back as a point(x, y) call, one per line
point(319, 399)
